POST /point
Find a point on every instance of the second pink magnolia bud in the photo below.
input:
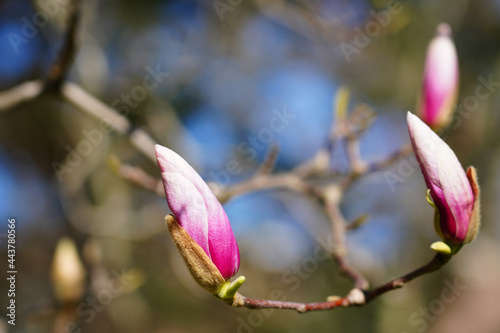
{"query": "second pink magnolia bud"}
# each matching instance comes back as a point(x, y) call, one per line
point(440, 83)
point(454, 193)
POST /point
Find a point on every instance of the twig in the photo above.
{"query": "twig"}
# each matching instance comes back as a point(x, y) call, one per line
point(266, 181)
point(24, 92)
point(59, 69)
point(85, 102)
point(436, 263)
point(268, 164)
point(357, 166)
point(356, 297)
point(359, 121)
point(332, 195)
point(386, 162)
point(299, 307)
point(137, 176)
point(317, 165)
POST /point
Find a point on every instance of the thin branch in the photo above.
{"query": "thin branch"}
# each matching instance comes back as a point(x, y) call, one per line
point(359, 121)
point(60, 68)
point(87, 103)
point(267, 166)
point(386, 162)
point(266, 181)
point(299, 307)
point(368, 168)
point(356, 297)
point(24, 92)
point(140, 178)
point(357, 165)
point(436, 263)
point(333, 196)
point(317, 165)
point(90, 105)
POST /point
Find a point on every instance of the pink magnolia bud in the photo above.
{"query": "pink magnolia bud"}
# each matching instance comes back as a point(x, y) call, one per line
point(198, 211)
point(454, 193)
point(440, 84)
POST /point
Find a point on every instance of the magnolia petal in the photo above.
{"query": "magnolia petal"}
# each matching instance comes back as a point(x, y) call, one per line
point(457, 194)
point(169, 161)
point(223, 248)
point(425, 145)
point(188, 207)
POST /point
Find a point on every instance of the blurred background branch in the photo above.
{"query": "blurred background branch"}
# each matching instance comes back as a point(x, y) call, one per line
point(60, 67)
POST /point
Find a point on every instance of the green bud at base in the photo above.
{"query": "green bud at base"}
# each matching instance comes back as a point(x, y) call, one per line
point(444, 248)
point(228, 289)
point(441, 247)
